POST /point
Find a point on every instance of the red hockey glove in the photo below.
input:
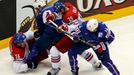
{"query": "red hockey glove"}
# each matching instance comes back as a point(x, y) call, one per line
point(50, 17)
point(100, 47)
point(62, 28)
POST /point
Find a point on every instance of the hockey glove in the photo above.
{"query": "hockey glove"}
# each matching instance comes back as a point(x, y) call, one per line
point(50, 17)
point(100, 47)
point(62, 28)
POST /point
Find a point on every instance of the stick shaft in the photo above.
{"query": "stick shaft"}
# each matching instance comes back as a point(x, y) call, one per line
point(83, 41)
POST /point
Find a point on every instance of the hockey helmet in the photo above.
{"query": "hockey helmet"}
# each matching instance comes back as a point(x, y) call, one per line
point(19, 38)
point(92, 25)
point(58, 6)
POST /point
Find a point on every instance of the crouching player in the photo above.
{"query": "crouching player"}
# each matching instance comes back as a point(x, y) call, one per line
point(100, 36)
point(20, 46)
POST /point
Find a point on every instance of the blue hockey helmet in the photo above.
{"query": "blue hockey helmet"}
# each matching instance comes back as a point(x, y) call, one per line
point(19, 38)
point(58, 6)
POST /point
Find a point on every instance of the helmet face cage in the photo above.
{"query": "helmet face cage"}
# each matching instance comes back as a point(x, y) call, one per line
point(58, 6)
point(19, 38)
point(92, 25)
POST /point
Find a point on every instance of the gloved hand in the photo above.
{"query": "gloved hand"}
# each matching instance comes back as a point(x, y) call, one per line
point(76, 38)
point(50, 17)
point(62, 28)
point(32, 64)
point(100, 47)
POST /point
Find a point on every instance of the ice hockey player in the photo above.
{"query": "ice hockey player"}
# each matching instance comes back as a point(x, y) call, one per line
point(98, 34)
point(20, 46)
point(48, 35)
point(70, 16)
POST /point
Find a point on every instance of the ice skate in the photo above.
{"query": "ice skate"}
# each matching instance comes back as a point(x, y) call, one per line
point(54, 71)
point(75, 72)
point(98, 66)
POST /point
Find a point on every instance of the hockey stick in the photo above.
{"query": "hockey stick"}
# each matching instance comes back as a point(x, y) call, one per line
point(34, 12)
point(56, 26)
point(83, 41)
point(32, 7)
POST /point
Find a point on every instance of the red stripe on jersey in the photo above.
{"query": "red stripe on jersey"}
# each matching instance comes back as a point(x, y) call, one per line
point(90, 58)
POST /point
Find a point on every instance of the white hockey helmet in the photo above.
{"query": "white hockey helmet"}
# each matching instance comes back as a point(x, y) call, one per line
point(92, 25)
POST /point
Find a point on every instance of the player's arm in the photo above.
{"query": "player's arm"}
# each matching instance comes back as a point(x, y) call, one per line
point(107, 34)
point(29, 35)
point(20, 67)
point(48, 15)
point(62, 28)
point(18, 64)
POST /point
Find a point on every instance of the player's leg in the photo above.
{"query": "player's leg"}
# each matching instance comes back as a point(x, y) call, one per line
point(106, 61)
point(61, 46)
point(42, 55)
point(77, 48)
point(64, 44)
point(42, 43)
point(89, 57)
point(72, 55)
point(55, 60)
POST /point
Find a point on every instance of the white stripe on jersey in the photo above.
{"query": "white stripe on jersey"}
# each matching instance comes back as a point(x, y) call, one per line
point(73, 26)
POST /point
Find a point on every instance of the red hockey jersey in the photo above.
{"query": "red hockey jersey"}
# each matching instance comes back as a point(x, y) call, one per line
point(16, 52)
point(71, 14)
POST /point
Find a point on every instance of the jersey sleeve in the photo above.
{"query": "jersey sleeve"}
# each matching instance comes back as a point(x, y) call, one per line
point(45, 15)
point(29, 35)
point(109, 36)
point(106, 34)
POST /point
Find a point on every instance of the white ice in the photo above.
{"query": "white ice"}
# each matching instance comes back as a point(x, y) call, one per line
point(121, 51)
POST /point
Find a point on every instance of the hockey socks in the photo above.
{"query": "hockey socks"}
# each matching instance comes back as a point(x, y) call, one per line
point(89, 57)
point(55, 57)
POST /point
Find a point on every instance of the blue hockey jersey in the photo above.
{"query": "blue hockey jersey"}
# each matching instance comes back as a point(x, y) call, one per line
point(42, 26)
point(103, 34)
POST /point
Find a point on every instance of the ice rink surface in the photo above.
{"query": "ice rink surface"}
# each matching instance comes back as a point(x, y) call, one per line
point(121, 51)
